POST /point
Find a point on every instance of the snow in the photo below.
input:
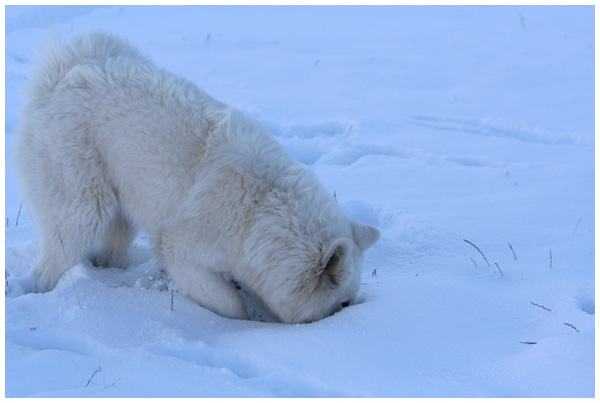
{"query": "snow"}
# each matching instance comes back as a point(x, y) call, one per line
point(436, 124)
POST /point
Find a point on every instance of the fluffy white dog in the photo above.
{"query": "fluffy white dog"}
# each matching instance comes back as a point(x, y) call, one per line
point(109, 144)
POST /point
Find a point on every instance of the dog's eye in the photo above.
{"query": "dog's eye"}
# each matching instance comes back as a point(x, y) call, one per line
point(345, 304)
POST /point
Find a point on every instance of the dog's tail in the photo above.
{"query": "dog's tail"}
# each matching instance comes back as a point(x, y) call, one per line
point(60, 56)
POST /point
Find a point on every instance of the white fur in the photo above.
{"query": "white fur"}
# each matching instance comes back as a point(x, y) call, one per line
point(109, 144)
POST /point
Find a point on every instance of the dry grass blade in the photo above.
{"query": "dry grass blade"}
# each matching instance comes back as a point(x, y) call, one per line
point(93, 375)
point(499, 269)
point(513, 251)
point(571, 326)
point(540, 306)
point(478, 250)
point(67, 263)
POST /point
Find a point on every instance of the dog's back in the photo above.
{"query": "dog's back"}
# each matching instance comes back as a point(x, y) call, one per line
point(59, 58)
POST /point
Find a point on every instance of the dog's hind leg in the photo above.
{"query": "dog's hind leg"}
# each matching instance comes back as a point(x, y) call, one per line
point(116, 242)
point(75, 217)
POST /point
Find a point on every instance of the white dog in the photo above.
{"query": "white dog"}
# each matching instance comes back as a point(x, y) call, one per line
point(109, 144)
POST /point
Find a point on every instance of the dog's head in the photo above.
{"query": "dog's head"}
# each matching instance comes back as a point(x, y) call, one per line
point(332, 281)
point(311, 273)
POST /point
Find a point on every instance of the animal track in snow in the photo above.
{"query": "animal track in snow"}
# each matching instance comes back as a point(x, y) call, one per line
point(331, 143)
point(247, 366)
point(586, 298)
point(477, 162)
point(50, 339)
point(323, 129)
point(37, 17)
point(201, 354)
point(349, 154)
point(472, 162)
point(499, 128)
point(307, 143)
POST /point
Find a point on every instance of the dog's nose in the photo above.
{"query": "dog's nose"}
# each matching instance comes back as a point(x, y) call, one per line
point(345, 304)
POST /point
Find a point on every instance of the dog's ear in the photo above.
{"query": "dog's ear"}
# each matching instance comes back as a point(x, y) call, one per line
point(334, 268)
point(364, 235)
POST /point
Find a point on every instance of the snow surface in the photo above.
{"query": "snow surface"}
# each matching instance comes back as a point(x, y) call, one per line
point(436, 124)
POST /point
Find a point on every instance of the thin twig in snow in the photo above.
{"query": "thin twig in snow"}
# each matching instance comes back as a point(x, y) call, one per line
point(18, 215)
point(576, 225)
point(93, 375)
point(570, 325)
point(478, 250)
point(348, 131)
point(112, 384)
point(513, 251)
point(541, 306)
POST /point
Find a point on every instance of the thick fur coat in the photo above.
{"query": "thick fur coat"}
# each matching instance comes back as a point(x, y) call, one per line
point(109, 144)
